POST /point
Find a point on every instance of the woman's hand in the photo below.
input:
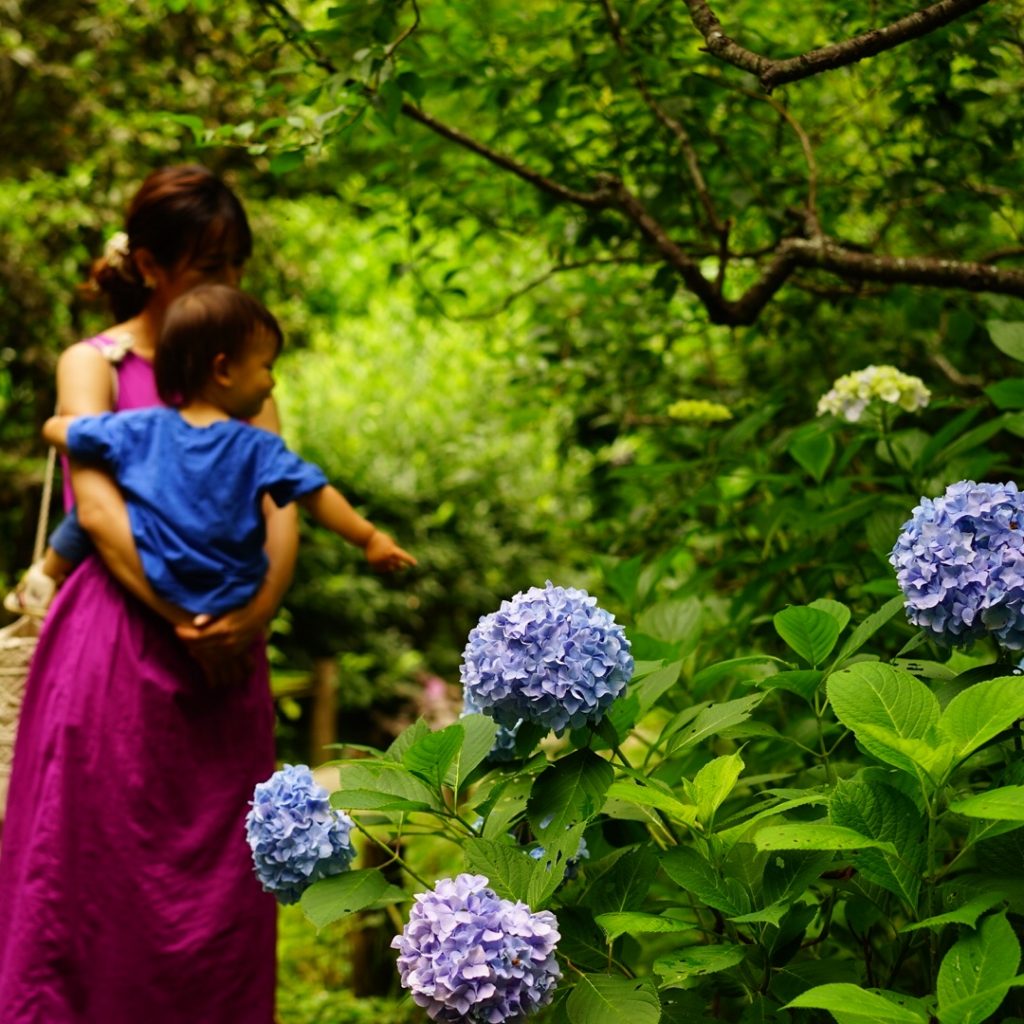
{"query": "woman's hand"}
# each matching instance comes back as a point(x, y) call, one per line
point(227, 637)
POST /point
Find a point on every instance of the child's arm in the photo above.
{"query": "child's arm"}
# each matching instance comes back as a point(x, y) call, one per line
point(330, 508)
point(55, 432)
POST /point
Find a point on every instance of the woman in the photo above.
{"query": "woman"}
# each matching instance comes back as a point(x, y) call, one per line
point(126, 892)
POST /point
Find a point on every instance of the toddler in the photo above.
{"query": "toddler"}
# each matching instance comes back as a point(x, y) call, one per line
point(193, 474)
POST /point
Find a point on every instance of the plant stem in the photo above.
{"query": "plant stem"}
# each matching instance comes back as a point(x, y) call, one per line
point(394, 855)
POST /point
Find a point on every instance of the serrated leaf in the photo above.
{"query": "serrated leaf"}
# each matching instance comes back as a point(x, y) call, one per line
point(713, 784)
point(856, 1005)
point(816, 836)
point(634, 923)
point(1003, 804)
point(713, 720)
point(696, 962)
point(568, 792)
point(508, 868)
point(836, 609)
point(867, 629)
point(676, 622)
point(372, 800)
point(430, 756)
point(550, 866)
point(336, 897)
point(981, 712)
point(929, 758)
point(385, 777)
point(803, 682)
point(967, 914)
point(977, 972)
point(622, 884)
point(480, 731)
point(695, 874)
point(789, 873)
point(609, 999)
point(406, 738)
point(649, 793)
point(810, 632)
point(741, 668)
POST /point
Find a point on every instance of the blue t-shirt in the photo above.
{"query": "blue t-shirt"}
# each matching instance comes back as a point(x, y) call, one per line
point(193, 497)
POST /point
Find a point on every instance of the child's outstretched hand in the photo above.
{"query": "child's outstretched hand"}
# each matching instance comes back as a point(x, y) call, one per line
point(385, 555)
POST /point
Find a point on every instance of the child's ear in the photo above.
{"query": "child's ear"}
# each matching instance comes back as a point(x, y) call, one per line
point(220, 372)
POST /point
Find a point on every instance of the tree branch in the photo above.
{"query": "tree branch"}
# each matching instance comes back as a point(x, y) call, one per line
point(772, 73)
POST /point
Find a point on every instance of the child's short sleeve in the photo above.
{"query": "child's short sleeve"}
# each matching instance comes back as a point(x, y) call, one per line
point(283, 475)
point(96, 439)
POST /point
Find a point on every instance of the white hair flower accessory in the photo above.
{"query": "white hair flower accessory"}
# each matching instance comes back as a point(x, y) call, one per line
point(116, 253)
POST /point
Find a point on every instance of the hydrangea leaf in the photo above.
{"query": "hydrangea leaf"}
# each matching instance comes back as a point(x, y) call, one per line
point(1008, 337)
point(817, 836)
point(1005, 803)
point(836, 609)
point(406, 738)
point(867, 629)
point(712, 785)
point(810, 632)
point(430, 756)
point(967, 914)
point(696, 875)
point(981, 712)
point(851, 1004)
point(634, 923)
point(929, 758)
point(873, 694)
point(1007, 394)
point(677, 622)
point(622, 879)
point(568, 792)
point(813, 451)
point(713, 720)
point(386, 777)
point(883, 813)
point(507, 867)
point(788, 873)
point(802, 682)
point(750, 666)
point(647, 792)
point(608, 999)
point(551, 864)
point(373, 800)
point(333, 898)
point(696, 962)
point(977, 972)
point(479, 739)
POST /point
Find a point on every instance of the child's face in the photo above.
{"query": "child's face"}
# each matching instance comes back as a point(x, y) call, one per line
point(251, 375)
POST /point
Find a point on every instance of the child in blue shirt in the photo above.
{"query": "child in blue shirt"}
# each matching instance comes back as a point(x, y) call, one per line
point(193, 475)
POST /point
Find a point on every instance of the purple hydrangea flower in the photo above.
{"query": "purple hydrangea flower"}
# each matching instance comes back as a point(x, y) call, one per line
point(960, 564)
point(468, 956)
point(549, 656)
point(504, 748)
point(296, 837)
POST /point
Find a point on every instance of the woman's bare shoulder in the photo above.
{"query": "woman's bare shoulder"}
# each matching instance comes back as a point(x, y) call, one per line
point(84, 381)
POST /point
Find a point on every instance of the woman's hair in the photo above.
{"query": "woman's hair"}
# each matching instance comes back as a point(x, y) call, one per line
point(207, 321)
point(177, 212)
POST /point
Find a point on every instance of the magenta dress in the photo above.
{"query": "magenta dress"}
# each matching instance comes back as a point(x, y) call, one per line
point(127, 894)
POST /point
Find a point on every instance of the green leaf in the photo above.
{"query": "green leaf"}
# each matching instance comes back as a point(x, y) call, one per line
point(1004, 804)
point(650, 793)
point(803, 682)
point(981, 712)
point(696, 875)
point(673, 622)
point(336, 897)
point(609, 999)
point(430, 757)
point(1008, 337)
point(373, 800)
point(714, 720)
point(383, 777)
point(867, 629)
point(622, 884)
point(633, 923)
point(929, 758)
point(967, 914)
point(508, 868)
point(856, 1005)
point(696, 962)
point(406, 738)
point(836, 609)
point(289, 160)
point(873, 694)
point(977, 972)
point(814, 452)
point(549, 868)
point(816, 836)
point(1007, 394)
point(568, 792)
point(411, 83)
point(652, 687)
point(811, 632)
point(740, 668)
point(713, 784)
point(480, 732)
point(788, 873)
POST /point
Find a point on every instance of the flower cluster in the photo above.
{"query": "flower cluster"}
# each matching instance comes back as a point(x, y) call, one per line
point(852, 394)
point(296, 837)
point(960, 564)
point(549, 656)
point(696, 410)
point(468, 956)
point(504, 747)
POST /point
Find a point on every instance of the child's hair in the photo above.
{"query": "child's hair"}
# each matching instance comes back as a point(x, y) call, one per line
point(178, 212)
point(203, 323)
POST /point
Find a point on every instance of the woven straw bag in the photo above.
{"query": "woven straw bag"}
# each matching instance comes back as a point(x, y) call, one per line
point(17, 645)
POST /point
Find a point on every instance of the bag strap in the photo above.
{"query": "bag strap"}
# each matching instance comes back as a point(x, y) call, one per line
point(44, 506)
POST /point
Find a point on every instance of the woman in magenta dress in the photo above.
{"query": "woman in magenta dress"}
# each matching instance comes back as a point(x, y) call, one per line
point(126, 890)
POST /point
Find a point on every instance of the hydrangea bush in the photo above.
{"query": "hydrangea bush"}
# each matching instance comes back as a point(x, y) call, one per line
point(959, 561)
point(296, 837)
point(468, 956)
point(851, 394)
point(548, 656)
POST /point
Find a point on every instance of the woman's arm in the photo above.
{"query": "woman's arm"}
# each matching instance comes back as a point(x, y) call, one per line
point(85, 387)
point(231, 634)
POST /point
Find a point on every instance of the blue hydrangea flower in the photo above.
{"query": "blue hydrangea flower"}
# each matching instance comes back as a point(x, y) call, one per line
point(548, 656)
point(504, 748)
point(469, 957)
point(960, 564)
point(296, 837)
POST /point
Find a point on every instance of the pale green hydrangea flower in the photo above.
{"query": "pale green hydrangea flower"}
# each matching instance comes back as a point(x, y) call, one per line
point(853, 393)
point(694, 410)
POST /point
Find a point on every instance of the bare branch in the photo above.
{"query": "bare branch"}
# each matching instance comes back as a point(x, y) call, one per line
point(772, 73)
